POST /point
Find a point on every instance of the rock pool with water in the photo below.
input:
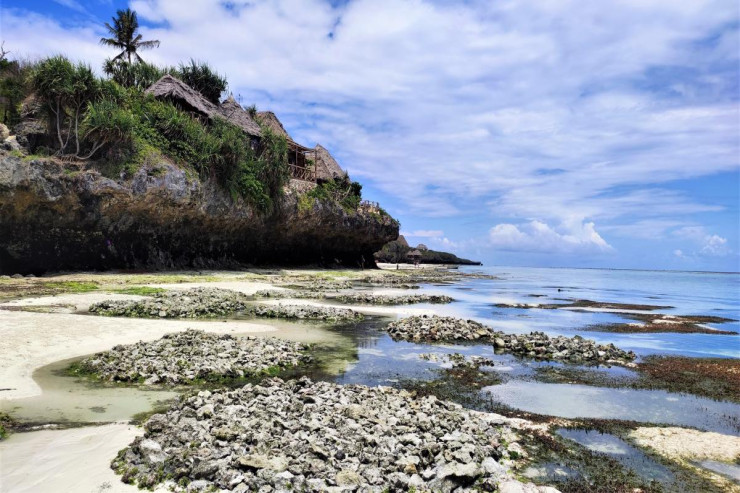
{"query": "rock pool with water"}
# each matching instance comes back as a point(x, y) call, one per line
point(358, 352)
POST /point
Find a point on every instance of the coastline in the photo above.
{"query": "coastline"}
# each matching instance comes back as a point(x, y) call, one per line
point(55, 329)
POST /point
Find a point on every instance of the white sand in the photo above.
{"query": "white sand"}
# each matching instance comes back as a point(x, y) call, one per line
point(70, 303)
point(683, 443)
point(31, 340)
point(75, 460)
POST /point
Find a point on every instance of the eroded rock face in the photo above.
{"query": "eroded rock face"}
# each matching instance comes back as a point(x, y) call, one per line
point(192, 355)
point(54, 216)
point(317, 436)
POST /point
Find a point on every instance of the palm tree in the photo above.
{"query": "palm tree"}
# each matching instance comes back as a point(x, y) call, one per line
point(125, 37)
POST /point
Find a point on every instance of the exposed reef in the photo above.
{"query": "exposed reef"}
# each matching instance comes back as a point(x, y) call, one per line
point(307, 312)
point(534, 345)
point(316, 436)
point(63, 216)
point(193, 355)
point(379, 299)
point(192, 303)
point(683, 324)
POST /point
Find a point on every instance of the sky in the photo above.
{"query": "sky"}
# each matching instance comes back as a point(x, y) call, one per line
point(516, 132)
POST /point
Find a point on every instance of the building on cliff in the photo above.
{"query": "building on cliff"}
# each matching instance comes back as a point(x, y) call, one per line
point(307, 164)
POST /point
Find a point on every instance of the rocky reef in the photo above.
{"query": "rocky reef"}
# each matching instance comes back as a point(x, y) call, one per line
point(215, 302)
point(534, 345)
point(193, 355)
point(192, 303)
point(69, 216)
point(307, 312)
point(379, 299)
point(316, 436)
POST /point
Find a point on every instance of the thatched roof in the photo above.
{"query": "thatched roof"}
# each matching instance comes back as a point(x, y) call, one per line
point(270, 120)
point(234, 113)
point(169, 87)
point(327, 167)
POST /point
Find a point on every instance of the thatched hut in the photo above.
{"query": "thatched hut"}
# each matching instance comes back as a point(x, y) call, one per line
point(299, 157)
point(327, 167)
point(414, 256)
point(270, 120)
point(234, 113)
point(183, 96)
point(305, 163)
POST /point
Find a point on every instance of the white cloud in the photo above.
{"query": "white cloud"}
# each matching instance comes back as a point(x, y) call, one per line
point(678, 253)
point(536, 236)
point(648, 229)
point(534, 109)
point(715, 246)
point(710, 245)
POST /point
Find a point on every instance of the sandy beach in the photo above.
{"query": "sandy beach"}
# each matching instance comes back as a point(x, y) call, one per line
point(75, 460)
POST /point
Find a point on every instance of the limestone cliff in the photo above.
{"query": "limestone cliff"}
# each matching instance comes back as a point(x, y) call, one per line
point(54, 216)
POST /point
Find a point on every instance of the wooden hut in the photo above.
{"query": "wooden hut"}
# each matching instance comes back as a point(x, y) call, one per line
point(414, 256)
point(234, 113)
point(327, 168)
point(183, 96)
point(302, 160)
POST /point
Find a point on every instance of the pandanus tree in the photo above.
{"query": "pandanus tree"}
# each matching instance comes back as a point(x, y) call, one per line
point(125, 36)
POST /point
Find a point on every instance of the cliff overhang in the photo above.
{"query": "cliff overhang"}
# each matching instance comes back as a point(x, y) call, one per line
point(58, 216)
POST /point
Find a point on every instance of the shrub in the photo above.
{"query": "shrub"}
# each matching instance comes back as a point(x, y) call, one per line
point(139, 75)
point(340, 190)
point(66, 89)
point(201, 77)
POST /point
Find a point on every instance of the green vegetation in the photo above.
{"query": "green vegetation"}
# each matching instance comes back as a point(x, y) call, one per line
point(124, 129)
point(73, 286)
point(715, 378)
point(201, 77)
point(140, 290)
point(341, 190)
point(6, 423)
point(111, 120)
point(14, 75)
point(396, 252)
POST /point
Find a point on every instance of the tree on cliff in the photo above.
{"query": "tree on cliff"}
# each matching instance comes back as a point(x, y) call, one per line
point(125, 36)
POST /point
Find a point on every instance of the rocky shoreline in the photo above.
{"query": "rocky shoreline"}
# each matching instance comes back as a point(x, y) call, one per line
point(301, 435)
point(214, 302)
point(193, 355)
point(534, 345)
point(192, 303)
point(307, 312)
point(380, 299)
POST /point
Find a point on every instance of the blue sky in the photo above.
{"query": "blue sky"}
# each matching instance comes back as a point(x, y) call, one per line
point(543, 132)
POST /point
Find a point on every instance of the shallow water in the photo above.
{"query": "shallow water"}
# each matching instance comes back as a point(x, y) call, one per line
point(68, 399)
point(649, 406)
point(361, 353)
point(689, 293)
point(628, 455)
point(731, 471)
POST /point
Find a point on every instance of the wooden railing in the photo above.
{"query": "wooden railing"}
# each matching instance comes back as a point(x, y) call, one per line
point(302, 173)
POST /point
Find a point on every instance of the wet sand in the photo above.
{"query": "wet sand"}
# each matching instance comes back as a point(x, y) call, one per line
point(75, 460)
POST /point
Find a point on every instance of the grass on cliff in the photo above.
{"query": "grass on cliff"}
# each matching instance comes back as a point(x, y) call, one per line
point(112, 121)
